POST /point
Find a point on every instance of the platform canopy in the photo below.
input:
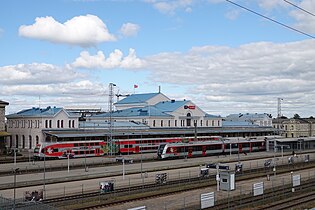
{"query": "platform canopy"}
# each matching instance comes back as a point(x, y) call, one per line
point(4, 133)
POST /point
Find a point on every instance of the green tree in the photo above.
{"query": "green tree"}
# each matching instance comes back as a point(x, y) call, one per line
point(296, 116)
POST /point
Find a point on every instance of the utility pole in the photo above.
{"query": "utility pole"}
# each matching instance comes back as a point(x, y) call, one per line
point(110, 104)
point(279, 107)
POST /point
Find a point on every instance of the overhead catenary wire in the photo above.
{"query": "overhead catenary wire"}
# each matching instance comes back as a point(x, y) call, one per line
point(275, 21)
point(300, 8)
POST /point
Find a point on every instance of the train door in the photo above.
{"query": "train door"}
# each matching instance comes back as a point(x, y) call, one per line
point(97, 152)
point(204, 150)
point(137, 149)
point(190, 150)
point(240, 147)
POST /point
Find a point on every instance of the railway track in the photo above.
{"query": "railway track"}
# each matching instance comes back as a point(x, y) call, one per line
point(296, 201)
point(130, 194)
point(276, 198)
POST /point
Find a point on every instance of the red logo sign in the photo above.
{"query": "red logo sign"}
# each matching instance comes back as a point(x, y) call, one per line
point(189, 107)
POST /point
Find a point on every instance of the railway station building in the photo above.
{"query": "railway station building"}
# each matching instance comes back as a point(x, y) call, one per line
point(148, 115)
point(3, 132)
point(27, 126)
point(295, 128)
point(158, 111)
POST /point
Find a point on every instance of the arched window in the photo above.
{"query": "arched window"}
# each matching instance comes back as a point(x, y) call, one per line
point(62, 123)
point(188, 123)
point(58, 123)
point(161, 123)
point(69, 123)
point(16, 141)
point(23, 141)
point(153, 123)
point(46, 123)
point(37, 140)
point(72, 123)
point(30, 142)
point(50, 122)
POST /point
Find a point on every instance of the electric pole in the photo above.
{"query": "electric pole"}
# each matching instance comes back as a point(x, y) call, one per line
point(279, 107)
point(110, 104)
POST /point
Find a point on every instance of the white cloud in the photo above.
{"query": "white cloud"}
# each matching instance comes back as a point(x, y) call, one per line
point(129, 29)
point(22, 85)
point(249, 77)
point(232, 14)
point(35, 73)
point(305, 21)
point(85, 31)
point(115, 60)
point(169, 7)
point(271, 4)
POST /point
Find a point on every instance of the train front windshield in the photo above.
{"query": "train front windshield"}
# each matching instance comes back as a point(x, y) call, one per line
point(160, 149)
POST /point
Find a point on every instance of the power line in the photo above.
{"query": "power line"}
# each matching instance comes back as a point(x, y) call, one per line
point(275, 21)
point(300, 8)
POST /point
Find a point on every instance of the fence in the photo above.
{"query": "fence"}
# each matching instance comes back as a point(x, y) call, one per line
point(9, 204)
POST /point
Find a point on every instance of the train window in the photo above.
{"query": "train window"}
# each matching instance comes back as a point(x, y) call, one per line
point(246, 145)
point(81, 152)
point(76, 145)
point(97, 143)
point(55, 150)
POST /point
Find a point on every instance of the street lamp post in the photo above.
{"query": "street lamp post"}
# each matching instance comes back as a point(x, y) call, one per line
point(14, 187)
point(274, 157)
point(15, 156)
point(68, 162)
point(141, 163)
point(238, 149)
point(230, 150)
point(44, 188)
point(123, 162)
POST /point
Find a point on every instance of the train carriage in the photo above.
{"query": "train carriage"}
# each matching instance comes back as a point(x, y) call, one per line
point(206, 148)
point(93, 148)
point(72, 149)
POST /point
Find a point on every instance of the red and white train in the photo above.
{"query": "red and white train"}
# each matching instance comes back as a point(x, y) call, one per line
point(226, 146)
point(98, 147)
point(73, 149)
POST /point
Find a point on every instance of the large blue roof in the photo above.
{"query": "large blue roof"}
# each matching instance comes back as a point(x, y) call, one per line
point(37, 112)
point(170, 106)
point(238, 124)
point(134, 112)
point(137, 98)
point(247, 116)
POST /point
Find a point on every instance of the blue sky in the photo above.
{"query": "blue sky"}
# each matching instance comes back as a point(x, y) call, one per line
point(222, 57)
